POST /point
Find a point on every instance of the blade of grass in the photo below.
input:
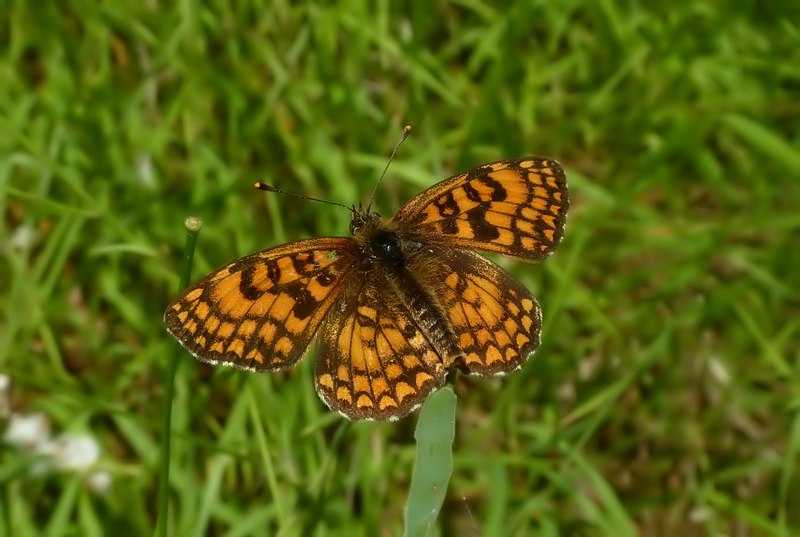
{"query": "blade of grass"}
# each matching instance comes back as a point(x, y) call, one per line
point(765, 141)
point(193, 226)
point(267, 457)
point(435, 432)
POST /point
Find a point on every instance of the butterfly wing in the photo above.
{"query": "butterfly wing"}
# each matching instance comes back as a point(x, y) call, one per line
point(262, 311)
point(512, 207)
point(374, 362)
point(496, 320)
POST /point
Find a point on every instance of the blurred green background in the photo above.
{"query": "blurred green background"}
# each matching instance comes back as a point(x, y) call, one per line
point(664, 399)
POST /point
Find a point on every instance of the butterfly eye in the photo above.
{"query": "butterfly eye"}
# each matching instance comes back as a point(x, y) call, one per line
point(355, 224)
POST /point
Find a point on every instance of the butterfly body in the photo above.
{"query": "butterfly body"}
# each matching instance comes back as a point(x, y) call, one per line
point(378, 244)
point(408, 276)
point(398, 303)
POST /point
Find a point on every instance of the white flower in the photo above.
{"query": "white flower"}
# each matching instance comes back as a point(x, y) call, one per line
point(98, 481)
point(67, 452)
point(28, 432)
point(22, 238)
point(73, 452)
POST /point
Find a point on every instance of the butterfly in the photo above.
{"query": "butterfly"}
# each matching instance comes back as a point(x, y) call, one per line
point(398, 303)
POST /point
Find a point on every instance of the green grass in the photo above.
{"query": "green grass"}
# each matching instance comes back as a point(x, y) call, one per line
point(665, 399)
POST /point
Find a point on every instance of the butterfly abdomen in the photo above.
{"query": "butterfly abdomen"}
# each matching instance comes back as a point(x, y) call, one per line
point(397, 258)
point(427, 313)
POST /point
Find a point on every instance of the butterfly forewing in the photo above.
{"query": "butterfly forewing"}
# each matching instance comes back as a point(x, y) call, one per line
point(262, 311)
point(512, 207)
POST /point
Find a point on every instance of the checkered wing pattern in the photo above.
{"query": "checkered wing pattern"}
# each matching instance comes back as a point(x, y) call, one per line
point(262, 311)
point(512, 207)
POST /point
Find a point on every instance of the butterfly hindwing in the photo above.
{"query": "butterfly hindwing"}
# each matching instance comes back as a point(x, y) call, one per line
point(497, 321)
point(374, 362)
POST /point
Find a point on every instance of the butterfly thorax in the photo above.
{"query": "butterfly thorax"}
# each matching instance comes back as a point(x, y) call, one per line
point(396, 262)
point(378, 242)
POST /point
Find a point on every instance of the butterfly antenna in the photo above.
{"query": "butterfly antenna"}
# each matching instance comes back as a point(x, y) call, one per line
point(269, 188)
point(406, 131)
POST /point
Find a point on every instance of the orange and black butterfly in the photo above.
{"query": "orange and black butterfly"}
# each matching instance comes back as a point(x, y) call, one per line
point(398, 303)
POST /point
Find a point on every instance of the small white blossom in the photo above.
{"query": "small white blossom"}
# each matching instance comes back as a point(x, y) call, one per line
point(98, 481)
point(67, 452)
point(28, 432)
point(22, 238)
point(73, 452)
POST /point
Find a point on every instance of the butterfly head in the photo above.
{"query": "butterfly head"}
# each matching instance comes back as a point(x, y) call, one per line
point(363, 219)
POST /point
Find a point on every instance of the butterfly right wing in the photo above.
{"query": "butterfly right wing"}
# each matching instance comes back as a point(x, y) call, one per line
point(262, 311)
point(496, 320)
point(512, 207)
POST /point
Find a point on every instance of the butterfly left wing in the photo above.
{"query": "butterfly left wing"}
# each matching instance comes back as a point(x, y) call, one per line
point(512, 207)
point(374, 361)
point(262, 311)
